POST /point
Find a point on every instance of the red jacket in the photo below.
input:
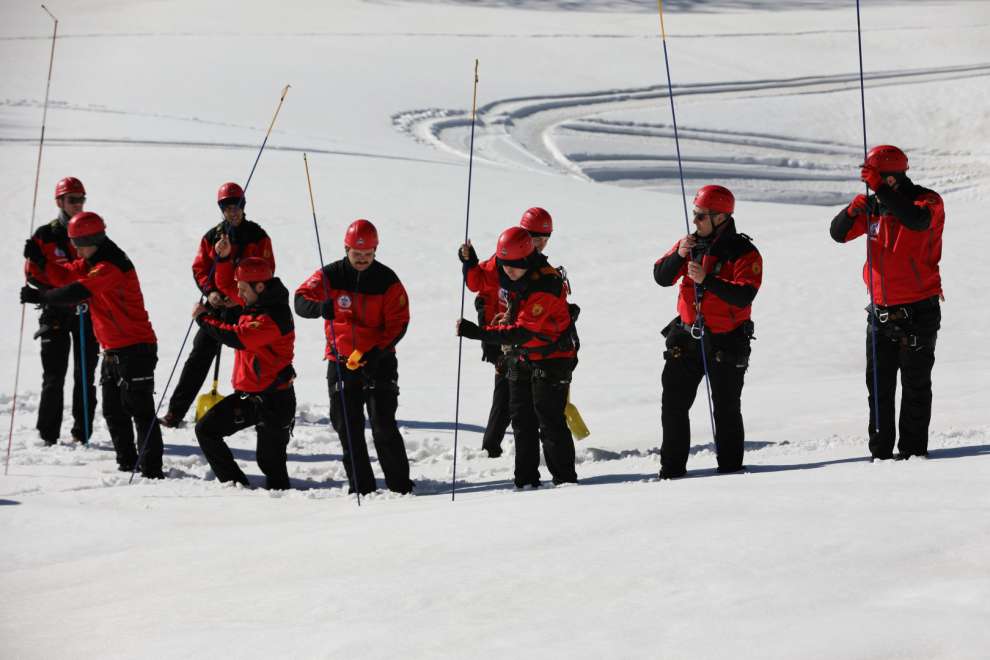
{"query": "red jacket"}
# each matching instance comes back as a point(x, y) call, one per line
point(371, 307)
point(58, 252)
point(263, 338)
point(110, 283)
point(538, 315)
point(247, 240)
point(905, 242)
point(735, 273)
point(482, 278)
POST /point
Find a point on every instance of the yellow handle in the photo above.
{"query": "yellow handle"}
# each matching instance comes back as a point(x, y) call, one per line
point(574, 422)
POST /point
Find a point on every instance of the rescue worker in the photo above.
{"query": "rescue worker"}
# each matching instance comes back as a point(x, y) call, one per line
point(904, 224)
point(482, 278)
point(720, 272)
point(366, 312)
point(105, 278)
point(538, 329)
point(59, 325)
point(234, 238)
point(262, 338)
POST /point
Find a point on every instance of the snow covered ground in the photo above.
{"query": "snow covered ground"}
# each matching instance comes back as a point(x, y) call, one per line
point(813, 553)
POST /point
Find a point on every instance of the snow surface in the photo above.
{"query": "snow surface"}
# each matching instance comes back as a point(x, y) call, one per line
point(813, 553)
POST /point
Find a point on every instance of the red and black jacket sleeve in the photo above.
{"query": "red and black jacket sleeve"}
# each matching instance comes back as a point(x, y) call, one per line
point(670, 267)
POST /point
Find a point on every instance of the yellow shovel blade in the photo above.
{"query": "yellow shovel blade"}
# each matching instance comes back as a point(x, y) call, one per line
point(206, 401)
point(574, 422)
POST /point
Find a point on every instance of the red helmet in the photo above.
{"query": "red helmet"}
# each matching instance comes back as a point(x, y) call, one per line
point(230, 190)
point(537, 221)
point(514, 244)
point(715, 198)
point(86, 229)
point(70, 185)
point(361, 235)
point(254, 269)
point(887, 158)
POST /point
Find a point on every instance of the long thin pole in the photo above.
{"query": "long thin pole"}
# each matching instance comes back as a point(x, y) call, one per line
point(699, 320)
point(34, 208)
point(81, 309)
point(869, 252)
point(460, 340)
point(285, 90)
point(333, 335)
point(261, 149)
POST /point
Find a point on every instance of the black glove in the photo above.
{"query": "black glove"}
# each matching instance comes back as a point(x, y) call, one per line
point(472, 258)
point(33, 253)
point(326, 309)
point(371, 358)
point(468, 330)
point(31, 296)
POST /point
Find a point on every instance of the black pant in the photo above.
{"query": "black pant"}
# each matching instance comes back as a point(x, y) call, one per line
point(128, 383)
point(194, 371)
point(905, 345)
point(377, 387)
point(272, 415)
point(498, 417)
point(537, 397)
point(728, 357)
point(58, 330)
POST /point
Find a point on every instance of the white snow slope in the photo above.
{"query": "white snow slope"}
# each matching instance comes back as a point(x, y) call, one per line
point(814, 553)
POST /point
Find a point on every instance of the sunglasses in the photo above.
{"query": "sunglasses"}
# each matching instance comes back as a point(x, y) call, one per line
point(230, 201)
point(703, 215)
point(71, 199)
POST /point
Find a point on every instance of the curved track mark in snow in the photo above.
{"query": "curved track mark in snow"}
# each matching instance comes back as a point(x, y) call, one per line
point(68, 142)
point(566, 133)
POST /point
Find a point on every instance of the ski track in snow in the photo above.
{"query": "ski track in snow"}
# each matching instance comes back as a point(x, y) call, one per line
point(570, 134)
point(481, 35)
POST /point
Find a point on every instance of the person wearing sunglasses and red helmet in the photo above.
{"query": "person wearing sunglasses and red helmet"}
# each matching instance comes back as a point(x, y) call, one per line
point(58, 325)
point(232, 239)
point(263, 339)
point(720, 272)
point(366, 312)
point(903, 223)
point(538, 334)
point(104, 277)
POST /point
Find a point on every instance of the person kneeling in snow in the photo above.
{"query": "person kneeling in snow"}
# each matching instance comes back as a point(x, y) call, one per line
point(263, 339)
point(539, 328)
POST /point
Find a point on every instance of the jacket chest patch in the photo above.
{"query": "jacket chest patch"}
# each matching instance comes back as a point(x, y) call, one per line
point(344, 301)
point(536, 310)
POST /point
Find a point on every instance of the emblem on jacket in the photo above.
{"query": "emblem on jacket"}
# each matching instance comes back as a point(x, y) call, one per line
point(344, 302)
point(537, 309)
